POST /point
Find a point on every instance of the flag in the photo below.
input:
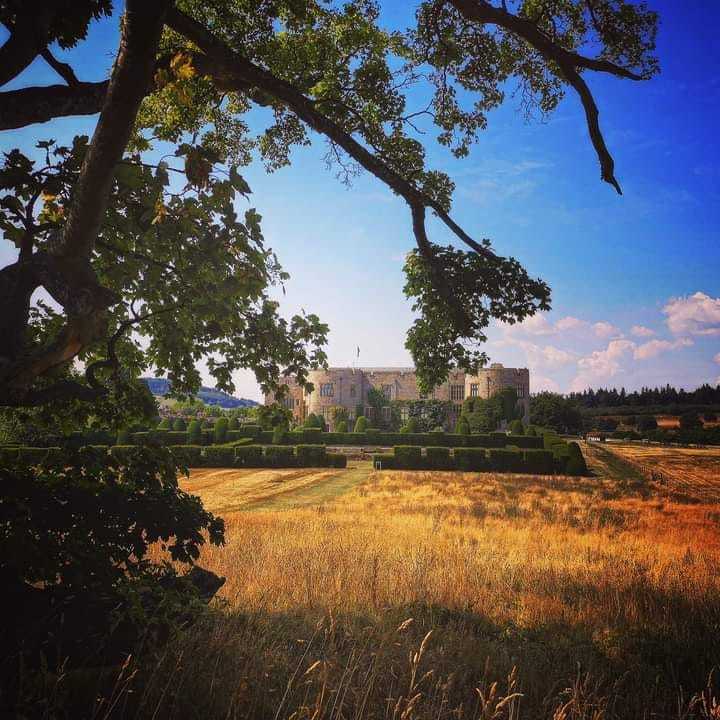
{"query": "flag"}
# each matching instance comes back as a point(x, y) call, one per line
point(358, 351)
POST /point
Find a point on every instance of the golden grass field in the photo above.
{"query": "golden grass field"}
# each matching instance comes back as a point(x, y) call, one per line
point(362, 594)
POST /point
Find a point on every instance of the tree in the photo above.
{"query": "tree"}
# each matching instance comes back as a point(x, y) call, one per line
point(690, 421)
point(179, 425)
point(377, 401)
point(164, 424)
point(338, 414)
point(646, 423)
point(342, 426)
point(553, 411)
point(411, 426)
point(270, 416)
point(187, 74)
point(312, 421)
point(486, 414)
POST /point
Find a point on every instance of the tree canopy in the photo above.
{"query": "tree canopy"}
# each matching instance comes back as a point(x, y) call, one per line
point(151, 272)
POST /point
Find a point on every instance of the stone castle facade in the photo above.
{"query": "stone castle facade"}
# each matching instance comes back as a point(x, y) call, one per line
point(349, 387)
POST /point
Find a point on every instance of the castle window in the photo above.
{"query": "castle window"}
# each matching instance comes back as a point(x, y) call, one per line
point(327, 390)
point(404, 413)
point(352, 391)
point(457, 392)
point(289, 403)
point(387, 391)
point(521, 391)
point(474, 389)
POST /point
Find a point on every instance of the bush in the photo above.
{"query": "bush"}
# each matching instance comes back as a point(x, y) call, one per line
point(250, 430)
point(311, 456)
point(531, 431)
point(502, 460)
point(336, 460)
point(411, 426)
point(384, 461)
point(407, 457)
point(646, 424)
point(438, 458)
point(462, 427)
point(218, 456)
point(123, 437)
point(470, 459)
point(361, 424)
point(341, 427)
point(188, 456)
point(280, 456)
point(438, 429)
point(194, 433)
point(220, 430)
point(165, 424)
point(312, 421)
point(575, 464)
point(234, 423)
point(179, 425)
point(539, 462)
point(517, 427)
point(278, 435)
point(525, 441)
point(250, 456)
point(690, 421)
point(312, 435)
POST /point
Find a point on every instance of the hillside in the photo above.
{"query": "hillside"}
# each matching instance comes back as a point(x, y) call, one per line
point(210, 396)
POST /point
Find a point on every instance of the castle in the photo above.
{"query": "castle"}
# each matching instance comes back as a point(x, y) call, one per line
point(349, 387)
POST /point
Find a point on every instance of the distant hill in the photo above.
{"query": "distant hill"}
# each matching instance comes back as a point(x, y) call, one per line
point(210, 396)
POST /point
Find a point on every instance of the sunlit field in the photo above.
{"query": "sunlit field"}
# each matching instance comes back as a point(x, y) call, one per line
point(356, 593)
point(692, 472)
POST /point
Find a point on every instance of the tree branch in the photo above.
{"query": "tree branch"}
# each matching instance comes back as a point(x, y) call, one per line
point(28, 37)
point(19, 108)
point(240, 74)
point(129, 82)
point(62, 69)
point(567, 61)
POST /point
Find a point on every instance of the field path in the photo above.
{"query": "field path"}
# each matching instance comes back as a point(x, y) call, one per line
point(231, 490)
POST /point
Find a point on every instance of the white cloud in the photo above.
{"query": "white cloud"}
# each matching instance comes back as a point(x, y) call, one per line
point(540, 325)
point(717, 358)
point(602, 364)
point(569, 323)
point(606, 330)
point(641, 331)
point(653, 348)
point(540, 383)
point(697, 314)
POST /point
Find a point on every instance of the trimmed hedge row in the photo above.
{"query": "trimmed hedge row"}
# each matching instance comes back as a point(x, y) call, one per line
point(212, 456)
point(530, 461)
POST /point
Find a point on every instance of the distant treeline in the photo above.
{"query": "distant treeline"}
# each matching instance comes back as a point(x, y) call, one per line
point(658, 398)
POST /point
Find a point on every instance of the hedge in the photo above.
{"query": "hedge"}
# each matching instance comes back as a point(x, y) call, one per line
point(248, 456)
point(438, 458)
point(502, 460)
point(407, 457)
point(472, 459)
point(218, 456)
point(279, 456)
point(311, 455)
point(539, 462)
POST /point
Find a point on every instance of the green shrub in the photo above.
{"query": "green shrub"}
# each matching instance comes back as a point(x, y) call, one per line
point(165, 424)
point(123, 437)
point(575, 463)
point(525, 441)
point(517, 427)
point(470, 459)
point(438, 429)
point(194, 433)
point(312, 421)
point(8, 456)
point(250, 456)
point(280, 456)
point(312, 435)
point(361, 424)
point(278, 434)
point(502, 460)
point(438, 458)
point(411, 426)
point(240, 442)
point(250, 430)
point(539, 462)
point(531, 431)
point(187, 455)
point(341, 427)
point(311, 455)
point(336, 460)
point(265, 437)
point(383, 461)
point(179, 425)
point(218, 456)
point(407, 457)
point(220, 431)
point(123, 453)
point(174, 437)
point(462, 426)
point(234, 424)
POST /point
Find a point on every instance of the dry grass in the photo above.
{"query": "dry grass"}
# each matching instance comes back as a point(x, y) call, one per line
point(446, 595)
point(692, 472)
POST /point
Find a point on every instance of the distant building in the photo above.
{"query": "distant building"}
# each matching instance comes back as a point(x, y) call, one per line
point(348, 388)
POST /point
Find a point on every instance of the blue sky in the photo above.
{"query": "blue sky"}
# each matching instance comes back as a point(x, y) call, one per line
point(635, 279)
